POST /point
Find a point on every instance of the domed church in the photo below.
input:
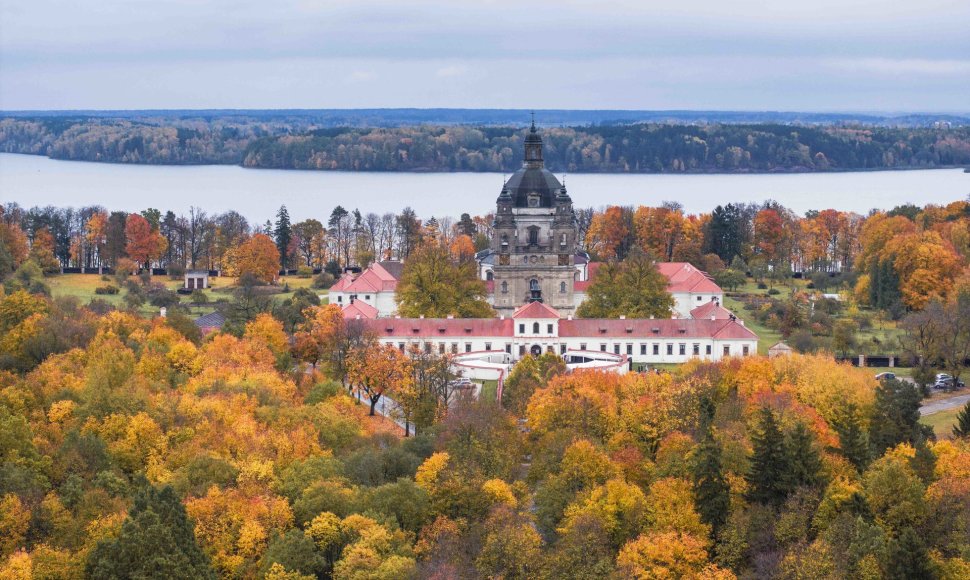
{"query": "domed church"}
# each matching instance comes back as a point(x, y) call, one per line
point(534, 256)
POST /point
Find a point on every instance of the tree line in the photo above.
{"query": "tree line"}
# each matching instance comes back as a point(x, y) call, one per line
point(295, 143)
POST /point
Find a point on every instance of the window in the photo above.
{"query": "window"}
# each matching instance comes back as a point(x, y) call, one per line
point(682, 349)
point(582, 346)
point(616, 349)
point(699, 298)
point(562, 349)
point(603, 347)
point(707, 349)
point(505, 287)
point(656, 349)
point(533, 236)
point(522, 328)
point(744, 350)
point(535, 328)
point(727, 350)
point(427, 348)
point(488, 346)
point(548, 329)
point(454, 348)
point(489, 275)
point(468, 347)
point(340, 298)
point(508, 347)
point(670, 348)
point(697, 349)
point(629, 348)
point(441, 348)
point(643, 349)
point(562, 287)
point(366, 296)
point(400, 346)
point(521, 350)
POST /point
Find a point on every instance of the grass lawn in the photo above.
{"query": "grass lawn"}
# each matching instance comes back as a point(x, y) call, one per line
point(82, 287)
point(942, 422)
point(767, 337)
point(489, 390)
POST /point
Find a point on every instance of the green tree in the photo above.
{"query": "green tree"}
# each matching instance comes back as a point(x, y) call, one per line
point(633, 288)
point(283, 233)
point(768, 476)
point(434, 286)
point(853, 439)
point(711, 490)
point(804, 462)
point(962, 427)
point(895, 416)
point(844, 335)
point(156, 541)
point(908, 559)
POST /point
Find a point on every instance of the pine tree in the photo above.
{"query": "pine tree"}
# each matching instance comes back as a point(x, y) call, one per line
point(908, 559)
point(283, 233)
point(711, 489)
point(895, 416)
point(156, 541)
point(962, 428)
point(769, 463)
point(804, 463)
point(853, 439)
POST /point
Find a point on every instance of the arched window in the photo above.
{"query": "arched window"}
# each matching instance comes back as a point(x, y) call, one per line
point(562, 287)
point(489, 275)
point(535, 328)
point(534, 285)
point(505, 287)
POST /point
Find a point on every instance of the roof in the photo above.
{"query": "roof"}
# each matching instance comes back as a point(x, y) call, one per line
point(660, 327)
point(684, 277)
point(536, 310)
point(450, 327)
point(378, 277)
point(709, 309)
point(359, 308)
point(533, 179)
point(780, 346)
point(210, 320)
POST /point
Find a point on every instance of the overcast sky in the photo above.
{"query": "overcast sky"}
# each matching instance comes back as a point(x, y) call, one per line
point(816, 55)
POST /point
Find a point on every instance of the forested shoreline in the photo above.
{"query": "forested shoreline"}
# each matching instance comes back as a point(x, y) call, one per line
point(301, 143)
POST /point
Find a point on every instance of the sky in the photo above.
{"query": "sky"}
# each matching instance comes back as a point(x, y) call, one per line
point(820, 55)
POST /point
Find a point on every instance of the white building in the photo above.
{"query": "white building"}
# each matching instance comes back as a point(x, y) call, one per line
point(536, 328)
point(375, 287)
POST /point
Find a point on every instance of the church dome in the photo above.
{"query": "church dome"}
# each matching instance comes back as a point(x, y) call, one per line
point(533, 185)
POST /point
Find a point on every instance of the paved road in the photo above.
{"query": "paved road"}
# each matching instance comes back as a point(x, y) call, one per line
point(943, 404)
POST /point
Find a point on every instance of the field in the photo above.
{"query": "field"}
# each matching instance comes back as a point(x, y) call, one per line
point(82, 287)
point(942, 422)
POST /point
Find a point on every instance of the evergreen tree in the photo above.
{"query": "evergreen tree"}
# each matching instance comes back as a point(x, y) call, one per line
point(895, 416)
point(853, 439)
point(156, 541)
point(804, 463)
point(711, 489)
point(908, 559)
point(962, 428)
point(767, 479)
point(466, 226)
point(283, 233)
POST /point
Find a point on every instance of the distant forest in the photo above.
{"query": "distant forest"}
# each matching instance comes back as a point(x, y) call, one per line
point(303, 141)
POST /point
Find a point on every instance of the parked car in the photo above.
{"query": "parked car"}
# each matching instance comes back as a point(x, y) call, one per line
point(885, 376)
point(946, 382)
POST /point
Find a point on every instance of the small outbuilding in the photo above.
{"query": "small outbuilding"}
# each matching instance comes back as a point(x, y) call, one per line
point(780, 349)
point(210, 322)
point(196, 280)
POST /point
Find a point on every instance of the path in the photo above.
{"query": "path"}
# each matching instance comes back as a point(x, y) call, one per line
point(943, 405)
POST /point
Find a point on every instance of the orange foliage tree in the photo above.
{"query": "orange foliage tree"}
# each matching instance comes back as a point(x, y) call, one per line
point(378, 369)
point(258, 256)
point(145, 244)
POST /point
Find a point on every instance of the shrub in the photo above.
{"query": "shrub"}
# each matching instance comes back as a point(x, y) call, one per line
point(107, 289)
point(774, 292)
point(323, 280)
point(199, 297)
point(304, 272)
point(762, 286)
point(100, 306)
point(160, 296)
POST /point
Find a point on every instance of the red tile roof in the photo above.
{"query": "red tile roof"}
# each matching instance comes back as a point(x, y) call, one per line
point(359, 308)
point(536, 310)
point(681, 277)
point(665, 328)
point(709, 309)
point(377, 277)
point(450, 327)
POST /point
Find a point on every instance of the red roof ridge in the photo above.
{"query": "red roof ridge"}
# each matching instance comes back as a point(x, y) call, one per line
point(536, 310)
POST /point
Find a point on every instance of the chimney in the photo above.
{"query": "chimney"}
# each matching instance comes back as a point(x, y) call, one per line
point(569, 317)
point(622, 317)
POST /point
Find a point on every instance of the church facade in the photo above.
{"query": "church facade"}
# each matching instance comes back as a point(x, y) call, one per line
point(533, 257)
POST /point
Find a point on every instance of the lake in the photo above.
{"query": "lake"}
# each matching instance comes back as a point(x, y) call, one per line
point(257, 193)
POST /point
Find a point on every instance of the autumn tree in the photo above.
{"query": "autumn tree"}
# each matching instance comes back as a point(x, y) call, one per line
point(378, 369)
point(144, 244)
point(257, 256)
point(434, 286)
point(633, 288)
point(42, 251)
point(610, 233)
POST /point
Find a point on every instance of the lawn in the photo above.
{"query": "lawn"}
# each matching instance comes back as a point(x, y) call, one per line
point(489, 390)
point(942, 422)
point(82, 287)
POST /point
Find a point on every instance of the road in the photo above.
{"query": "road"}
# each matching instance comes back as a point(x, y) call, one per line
point(943, 404)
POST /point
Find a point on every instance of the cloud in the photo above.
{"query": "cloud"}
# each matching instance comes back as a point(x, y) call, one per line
point(908, 66)
point(455, 70)
point(361, 76)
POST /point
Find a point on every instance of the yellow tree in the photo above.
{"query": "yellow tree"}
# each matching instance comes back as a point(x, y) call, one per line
point(258, 256)
point(663, 555)
point(378, 369)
